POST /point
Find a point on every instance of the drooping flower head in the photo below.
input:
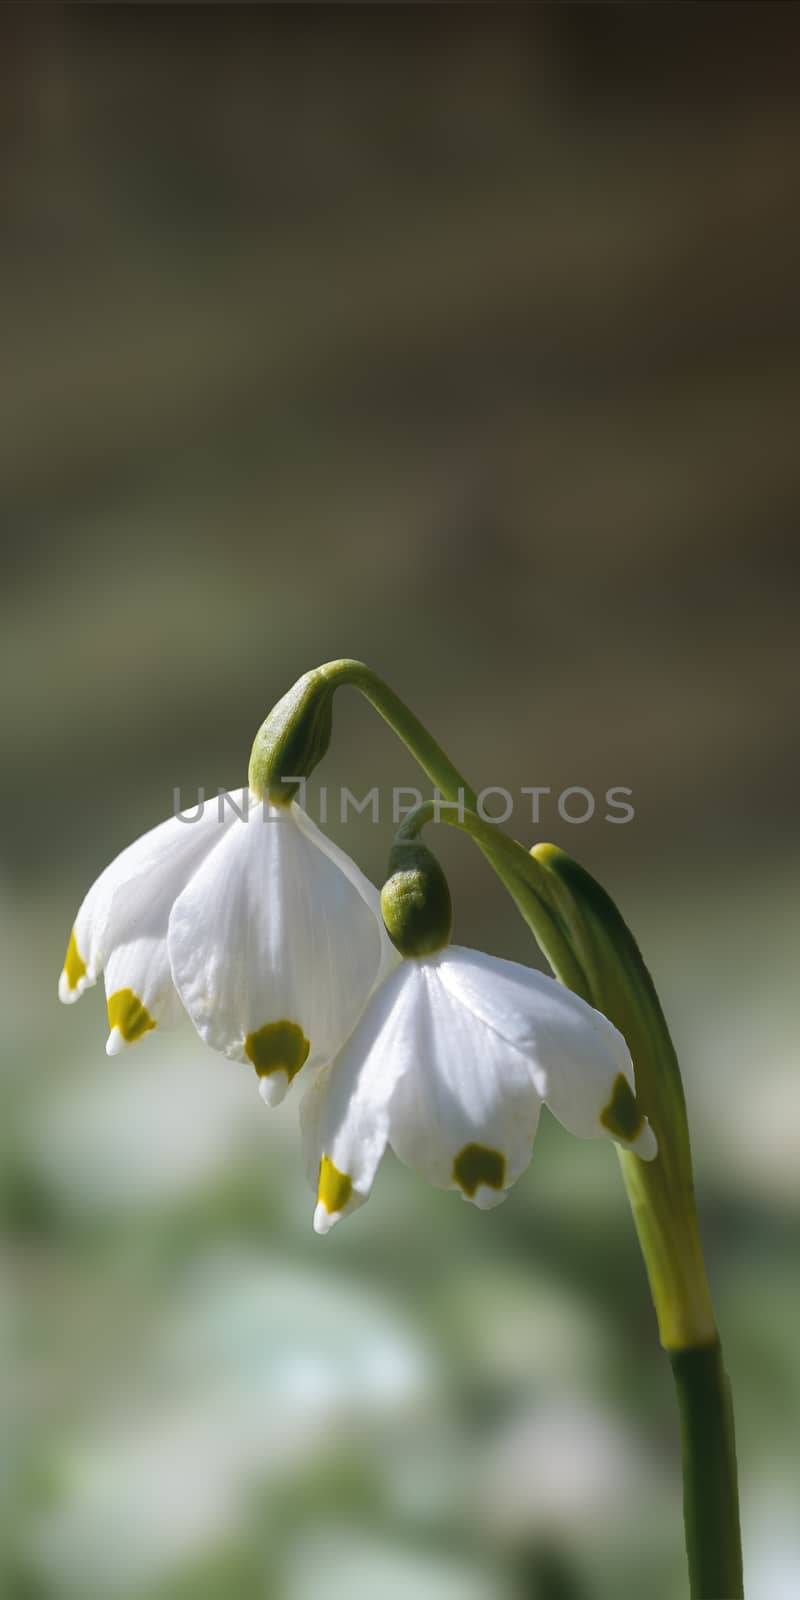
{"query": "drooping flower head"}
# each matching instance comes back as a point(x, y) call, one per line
point(248, 919)
point(451, 1063)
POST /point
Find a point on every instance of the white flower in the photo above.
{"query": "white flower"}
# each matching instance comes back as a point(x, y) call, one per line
point(261, 929)
point(450, 1064)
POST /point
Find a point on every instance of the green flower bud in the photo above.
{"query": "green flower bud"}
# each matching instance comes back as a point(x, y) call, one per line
point(292, 740)
point(415, 900)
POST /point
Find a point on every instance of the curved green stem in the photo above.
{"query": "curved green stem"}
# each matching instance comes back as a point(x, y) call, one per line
point(401, 719)
point(522, 876)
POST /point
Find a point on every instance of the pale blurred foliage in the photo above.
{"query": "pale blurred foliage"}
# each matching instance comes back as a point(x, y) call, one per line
point(465, 342)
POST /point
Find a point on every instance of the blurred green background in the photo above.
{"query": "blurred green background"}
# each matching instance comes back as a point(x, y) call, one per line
point(464, 340)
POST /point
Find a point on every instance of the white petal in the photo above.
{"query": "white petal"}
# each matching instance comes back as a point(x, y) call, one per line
point(139, 989)
point(581, 1063)
point(390, 957)
point(344, 1116)
point(138, 976)
point(464, 1115)
point(170, 842)
point(274, 948)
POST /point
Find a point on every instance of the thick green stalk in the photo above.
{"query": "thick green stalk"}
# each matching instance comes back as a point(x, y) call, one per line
point(661, 1195)
point(710, 1496)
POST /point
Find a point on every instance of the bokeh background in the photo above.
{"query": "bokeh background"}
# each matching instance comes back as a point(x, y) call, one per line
point(463, 340)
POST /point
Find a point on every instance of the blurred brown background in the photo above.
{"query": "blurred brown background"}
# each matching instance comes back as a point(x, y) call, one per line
point(464, 340)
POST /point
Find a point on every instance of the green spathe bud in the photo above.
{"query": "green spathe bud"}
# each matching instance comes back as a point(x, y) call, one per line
point(661, 1192)
point(292, 740)
point(415, 900)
